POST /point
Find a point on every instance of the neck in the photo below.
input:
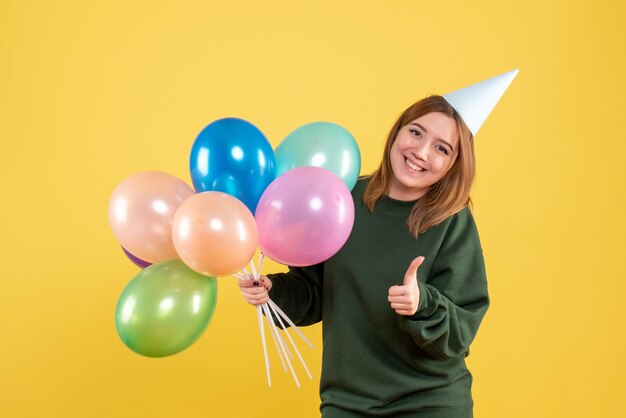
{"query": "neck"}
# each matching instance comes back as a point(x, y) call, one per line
point(399, 191)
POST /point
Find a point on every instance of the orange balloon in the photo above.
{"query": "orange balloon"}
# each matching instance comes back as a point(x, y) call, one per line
point(214, 234)
point(141, 212)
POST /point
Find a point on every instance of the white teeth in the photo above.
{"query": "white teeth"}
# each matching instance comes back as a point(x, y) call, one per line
point(412, 166)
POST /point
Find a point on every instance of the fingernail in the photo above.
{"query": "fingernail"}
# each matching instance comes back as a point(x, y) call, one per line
point(255, 283)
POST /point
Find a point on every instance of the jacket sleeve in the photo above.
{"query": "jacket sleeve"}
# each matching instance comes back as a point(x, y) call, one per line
point(299, 293)
point(454, 298)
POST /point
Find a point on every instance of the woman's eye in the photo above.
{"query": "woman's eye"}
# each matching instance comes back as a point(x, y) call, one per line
point(443, 149)
point(415, 132)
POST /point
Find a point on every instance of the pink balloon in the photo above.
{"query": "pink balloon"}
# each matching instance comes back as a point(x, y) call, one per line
point(141, 212)
point(304, 216)
point(214, 234)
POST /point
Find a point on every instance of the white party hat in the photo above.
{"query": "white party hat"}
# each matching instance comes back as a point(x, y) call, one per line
point(475, 103)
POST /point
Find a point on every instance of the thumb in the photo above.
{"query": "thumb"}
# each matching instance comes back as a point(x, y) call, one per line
point(411, 273)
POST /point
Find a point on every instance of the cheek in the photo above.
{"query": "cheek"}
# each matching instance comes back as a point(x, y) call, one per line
point(441, 165)
point(395, 152)
point(399, 147)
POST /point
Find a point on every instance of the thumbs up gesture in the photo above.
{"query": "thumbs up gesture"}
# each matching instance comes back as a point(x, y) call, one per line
point(405, 299)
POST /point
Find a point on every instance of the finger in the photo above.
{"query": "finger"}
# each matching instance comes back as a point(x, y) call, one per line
point(397, 290)
point(254, 291)
point(411, 273)
point(398, 299)
point(244, 283)
point(251, 283)
point(256, 298)
point(404, 312)
point(403, 306)
point(257, 302)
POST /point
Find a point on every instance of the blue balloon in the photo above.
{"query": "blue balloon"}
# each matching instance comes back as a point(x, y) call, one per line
point(233, 156)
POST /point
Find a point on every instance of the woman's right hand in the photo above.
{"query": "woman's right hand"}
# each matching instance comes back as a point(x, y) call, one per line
point(256, 291)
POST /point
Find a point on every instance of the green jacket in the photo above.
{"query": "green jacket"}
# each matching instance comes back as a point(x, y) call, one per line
point(376, 362)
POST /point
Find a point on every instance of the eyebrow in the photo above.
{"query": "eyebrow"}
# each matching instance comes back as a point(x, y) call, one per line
point(426, 130)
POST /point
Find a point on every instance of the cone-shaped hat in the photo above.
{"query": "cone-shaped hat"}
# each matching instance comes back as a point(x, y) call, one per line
point(475, 103)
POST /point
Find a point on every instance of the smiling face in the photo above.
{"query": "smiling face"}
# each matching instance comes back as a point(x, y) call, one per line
point(422, 153)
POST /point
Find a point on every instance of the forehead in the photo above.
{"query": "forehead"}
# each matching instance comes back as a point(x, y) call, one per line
point(439, 126)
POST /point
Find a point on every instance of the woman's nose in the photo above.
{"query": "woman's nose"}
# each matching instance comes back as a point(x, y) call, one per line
point(420, 150)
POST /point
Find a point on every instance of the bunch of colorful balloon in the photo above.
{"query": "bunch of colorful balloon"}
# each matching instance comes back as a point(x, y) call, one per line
point(183, 239)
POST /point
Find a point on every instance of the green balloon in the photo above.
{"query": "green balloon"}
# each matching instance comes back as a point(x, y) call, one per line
point(165, 309)
point(321, 144)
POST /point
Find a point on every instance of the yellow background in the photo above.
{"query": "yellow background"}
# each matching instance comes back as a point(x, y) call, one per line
point(92, 92)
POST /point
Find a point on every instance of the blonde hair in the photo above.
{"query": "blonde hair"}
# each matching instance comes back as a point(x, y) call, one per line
point(444, 198)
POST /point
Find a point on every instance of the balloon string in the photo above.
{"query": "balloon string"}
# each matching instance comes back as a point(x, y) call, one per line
point(275, 337)
point(257, 274)
point(267, 360)
point(273, 313)
point(291, 341)
point(290, 322)
point(261, 258)
point(245, 275)
point(289, 353)
point(254, 273)
point(268, 315)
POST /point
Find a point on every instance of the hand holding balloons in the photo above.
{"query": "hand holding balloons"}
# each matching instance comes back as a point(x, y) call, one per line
point(302, 218)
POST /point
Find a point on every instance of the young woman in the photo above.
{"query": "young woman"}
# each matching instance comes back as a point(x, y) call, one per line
point(396, 338)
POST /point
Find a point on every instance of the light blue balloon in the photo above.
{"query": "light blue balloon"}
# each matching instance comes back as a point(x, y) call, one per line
point(321, 144)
